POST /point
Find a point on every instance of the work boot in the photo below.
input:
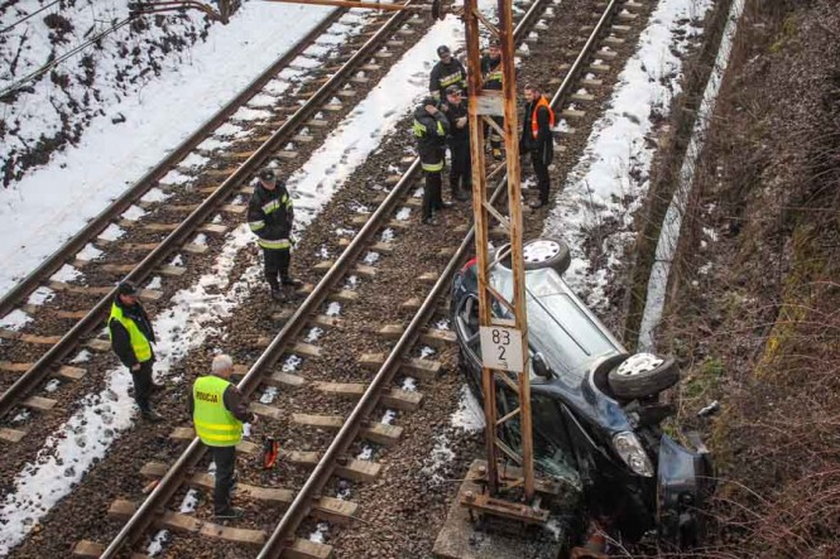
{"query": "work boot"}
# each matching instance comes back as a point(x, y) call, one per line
point(497, 154)
point(156, 387)
point(537, 204)
point(444, 205)
point(230, 513)
point(277, 294)
point(151, 416)
point(460, 195)
point(429, 220)
point(291, 282)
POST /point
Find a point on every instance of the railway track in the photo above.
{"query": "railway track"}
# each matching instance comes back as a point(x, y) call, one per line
point(310, 500)
point(284, 135)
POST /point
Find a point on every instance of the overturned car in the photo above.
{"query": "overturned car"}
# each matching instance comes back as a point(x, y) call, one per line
point(596, 408)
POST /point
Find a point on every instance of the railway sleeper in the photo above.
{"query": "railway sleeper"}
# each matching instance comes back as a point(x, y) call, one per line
point(322, 320)
point(301, 348)
point(278, 379)
point(360, 269)
point(325, 508)
point(192, 248)
point(146, 294)
point(378, 247)
point(211, 228)
point(349, 468)
point(424, 369)
point(379, 433)
point(434, 337)
point(395, 398)
point(344, 295)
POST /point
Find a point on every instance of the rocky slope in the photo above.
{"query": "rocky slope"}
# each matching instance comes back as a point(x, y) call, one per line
point(46, 105)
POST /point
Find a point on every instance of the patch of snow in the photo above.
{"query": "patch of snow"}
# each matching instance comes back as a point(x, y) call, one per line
point(610, 180)
point(389, 417)
point(177, 260)
point(314, 334)
point(371, 258)
point(200, 239)
point(403, 214)
point(426, 351)
point(82, 357)
point(320, 532)
point(155, 283)
point(52, 385)
point(269, 395)
point(470, 415)
point(90, 252)
point(66, 274)
point(387, 235)
point(333, 309)
point(409, 384)
point(352, 282)
point(291, 363)
point(112, 232)
point(366, 453)
point(15, 320)
point(442, 324)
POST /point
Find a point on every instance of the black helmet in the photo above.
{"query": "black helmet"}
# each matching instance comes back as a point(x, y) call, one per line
point(443, 49)
point(126, 288)
point(429, 100)
point(267, 175)
point(452, 89)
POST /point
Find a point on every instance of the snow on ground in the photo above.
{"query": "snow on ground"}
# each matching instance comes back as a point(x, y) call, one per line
point(469, 416)
point(47, 206)
point(610, 181)
point(666, 247)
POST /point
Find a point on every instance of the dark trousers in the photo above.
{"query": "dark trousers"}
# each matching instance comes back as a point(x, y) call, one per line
point(276, 265)
point(460, 173)
point(142, 385)
point(225, 459)
point(541, 170)
point(431, 193)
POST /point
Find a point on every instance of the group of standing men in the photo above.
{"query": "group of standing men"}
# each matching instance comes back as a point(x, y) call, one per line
point(441, 120)
point(215, 404)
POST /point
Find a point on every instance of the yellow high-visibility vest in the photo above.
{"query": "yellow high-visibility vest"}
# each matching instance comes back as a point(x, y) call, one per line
point(141, 346)
point(214, 424)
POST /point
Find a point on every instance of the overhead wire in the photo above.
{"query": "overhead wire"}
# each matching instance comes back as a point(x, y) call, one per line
point(33, 14)
point(75, 50)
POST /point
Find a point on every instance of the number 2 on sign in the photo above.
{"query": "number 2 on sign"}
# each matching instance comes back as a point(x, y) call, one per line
point(501, 348)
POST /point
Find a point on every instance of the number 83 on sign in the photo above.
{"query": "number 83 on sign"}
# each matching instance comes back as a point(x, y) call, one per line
point(501, 348)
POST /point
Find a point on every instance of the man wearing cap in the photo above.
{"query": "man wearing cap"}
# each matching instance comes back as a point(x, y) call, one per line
point(131, 339)
point(460, 170)
point(430, 129)
point(491, 70)
point(538, 139)
point(448, 71)
point(218, 411)
point(270, 216)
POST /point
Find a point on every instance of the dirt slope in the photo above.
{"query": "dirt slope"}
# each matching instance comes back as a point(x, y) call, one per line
point(754, 300)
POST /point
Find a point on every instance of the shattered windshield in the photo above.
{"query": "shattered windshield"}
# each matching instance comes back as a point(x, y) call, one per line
point(569, 338)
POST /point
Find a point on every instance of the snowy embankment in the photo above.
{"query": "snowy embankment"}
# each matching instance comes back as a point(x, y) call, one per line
point(48, 205)
point(71, 451)
point(608, 185)
point(666, 246)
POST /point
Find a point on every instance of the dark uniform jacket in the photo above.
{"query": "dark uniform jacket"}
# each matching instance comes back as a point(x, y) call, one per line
point(457, 136)
point(233, 400)
point(120, 340)
point(444, 75)
point(543, 144)
point(430, 132)
point(270, 213)
point(491, 69)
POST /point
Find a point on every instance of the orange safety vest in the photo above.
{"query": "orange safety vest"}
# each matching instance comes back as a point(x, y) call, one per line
point(535, 127)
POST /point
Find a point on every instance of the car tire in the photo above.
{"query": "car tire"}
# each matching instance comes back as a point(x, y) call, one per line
point(546, 252)
point(642, 375)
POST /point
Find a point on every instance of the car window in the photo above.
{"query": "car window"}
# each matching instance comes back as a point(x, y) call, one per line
point(569, 337)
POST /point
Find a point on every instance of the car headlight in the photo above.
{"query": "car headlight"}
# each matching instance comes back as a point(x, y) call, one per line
point(630, 450)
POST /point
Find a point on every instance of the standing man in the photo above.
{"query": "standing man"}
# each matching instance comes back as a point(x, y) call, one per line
point(430, 128)
point(448, 71)
point(460, 171)
point(131, 334)
point(218, 411)
point(537, 139)
point(491, 70)
point(270, 216)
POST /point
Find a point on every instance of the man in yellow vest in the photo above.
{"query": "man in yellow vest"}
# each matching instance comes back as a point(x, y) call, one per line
point(132, 337)
point(218, 411)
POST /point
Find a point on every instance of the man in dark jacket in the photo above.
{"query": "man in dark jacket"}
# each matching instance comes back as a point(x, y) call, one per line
point(448, 71)
point(132, 337)
point(218, 411)
point(538, 140)
point(430, 128)
point(460, 171)
point(491, 70)
point(270, 216)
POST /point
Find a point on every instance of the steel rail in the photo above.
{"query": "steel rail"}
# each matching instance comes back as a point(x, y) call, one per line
point(302, 503)
point(14, 297)
point(31, 378)
point(168, 485)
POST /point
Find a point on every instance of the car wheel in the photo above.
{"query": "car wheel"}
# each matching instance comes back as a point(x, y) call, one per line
point(546, 253)
point(643, 374)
